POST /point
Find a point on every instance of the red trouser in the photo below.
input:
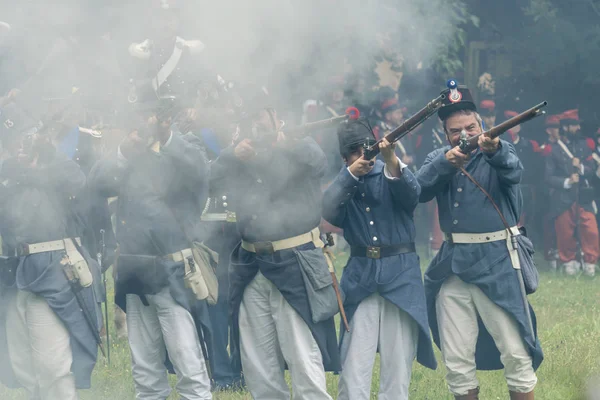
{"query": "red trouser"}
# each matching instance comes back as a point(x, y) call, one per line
point(588, 231)
point(437, 237)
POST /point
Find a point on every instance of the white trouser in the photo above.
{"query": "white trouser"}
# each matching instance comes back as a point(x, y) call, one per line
point(39, 347)
point(272, 334)
point(378, 324)
point(457, 307)
point(165, 326)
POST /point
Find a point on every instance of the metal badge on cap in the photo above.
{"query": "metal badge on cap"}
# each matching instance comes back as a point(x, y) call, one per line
point(455, 95)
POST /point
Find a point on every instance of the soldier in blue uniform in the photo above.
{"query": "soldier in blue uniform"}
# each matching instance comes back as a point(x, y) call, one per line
point(280, 285)
point(161, 179)
point(475, 301)
point(47, 331)
point(383, 290)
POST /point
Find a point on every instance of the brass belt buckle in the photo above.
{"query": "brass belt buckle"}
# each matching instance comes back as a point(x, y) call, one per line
point(264, 248)
point(373, 252)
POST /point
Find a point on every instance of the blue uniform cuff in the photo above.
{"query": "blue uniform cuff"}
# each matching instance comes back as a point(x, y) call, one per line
point(498, 155)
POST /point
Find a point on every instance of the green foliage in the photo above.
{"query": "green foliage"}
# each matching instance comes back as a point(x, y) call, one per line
point(558, 37)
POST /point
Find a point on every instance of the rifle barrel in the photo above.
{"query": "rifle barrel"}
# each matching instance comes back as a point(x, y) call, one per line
point(407, 126)
point(534, 112)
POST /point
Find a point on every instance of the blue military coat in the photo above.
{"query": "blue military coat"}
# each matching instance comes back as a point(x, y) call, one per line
point(36, 206)
point(277, 195)
point(378, 211)
point(159, 195)
point(463, 208)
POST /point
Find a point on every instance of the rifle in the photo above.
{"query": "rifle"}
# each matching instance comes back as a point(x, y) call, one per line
point(407, 126)
point(469, 144)
point(352, 113)
point(100, 256)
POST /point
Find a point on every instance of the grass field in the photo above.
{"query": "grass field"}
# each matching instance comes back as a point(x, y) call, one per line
point(569, 324)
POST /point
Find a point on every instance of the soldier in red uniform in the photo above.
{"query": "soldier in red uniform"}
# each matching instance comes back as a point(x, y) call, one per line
point(569, 172)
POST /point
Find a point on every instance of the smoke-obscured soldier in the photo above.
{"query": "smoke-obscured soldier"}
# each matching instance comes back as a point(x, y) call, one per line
point(281, 289)
point(160, 178)
point(384, 299)
point(166, 63)
point(332, 104)
point(478, 310)
point(51, 324)
point(215, 125)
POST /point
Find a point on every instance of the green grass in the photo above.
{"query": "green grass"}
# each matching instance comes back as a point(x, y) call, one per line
point(569, 324)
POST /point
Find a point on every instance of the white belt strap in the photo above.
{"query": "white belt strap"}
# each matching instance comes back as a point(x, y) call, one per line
point(462, 238)
point(53, 245)
point(459, 238)
point(289, 243)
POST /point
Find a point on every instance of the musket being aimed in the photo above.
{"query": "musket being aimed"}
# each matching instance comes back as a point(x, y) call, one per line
point(469, 144)
point(407, 126)
point(352, 113)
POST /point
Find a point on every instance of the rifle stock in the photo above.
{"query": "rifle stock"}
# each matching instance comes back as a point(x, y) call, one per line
point(470, 144)
point(407, 126)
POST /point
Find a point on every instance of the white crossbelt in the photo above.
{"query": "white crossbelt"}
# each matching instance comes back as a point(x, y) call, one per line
point(53, 245)
point(475, 238)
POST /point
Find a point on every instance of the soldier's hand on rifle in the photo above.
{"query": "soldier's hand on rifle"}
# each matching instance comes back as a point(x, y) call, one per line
point(361, 167)
point(576, 162)
point(487, 144)
point(244, 150)
point(387, 151)
point(456, 157)
point(574, 179)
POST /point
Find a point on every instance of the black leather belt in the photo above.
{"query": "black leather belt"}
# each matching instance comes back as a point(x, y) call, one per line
point(379, 252)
